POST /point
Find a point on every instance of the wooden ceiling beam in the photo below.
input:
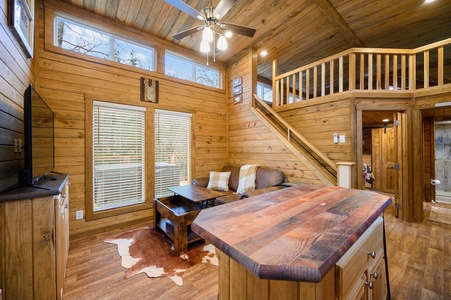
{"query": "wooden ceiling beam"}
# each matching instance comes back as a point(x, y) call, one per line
point(338, 22)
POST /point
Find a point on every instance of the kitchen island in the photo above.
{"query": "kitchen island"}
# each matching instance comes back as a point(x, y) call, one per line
point(304, 242)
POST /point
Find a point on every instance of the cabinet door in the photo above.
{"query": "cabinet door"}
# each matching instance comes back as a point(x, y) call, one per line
point(62, 238)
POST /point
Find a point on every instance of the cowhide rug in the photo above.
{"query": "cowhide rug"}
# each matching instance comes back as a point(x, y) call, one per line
point(149, 251)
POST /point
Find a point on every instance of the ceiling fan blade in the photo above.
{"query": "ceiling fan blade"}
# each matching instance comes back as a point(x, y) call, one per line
point(184, 7)
point(239, 29)
point(223, 7)
point(180, 35)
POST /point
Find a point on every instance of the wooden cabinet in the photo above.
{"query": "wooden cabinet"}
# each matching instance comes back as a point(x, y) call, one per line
point(360, 273)
point(34, 242)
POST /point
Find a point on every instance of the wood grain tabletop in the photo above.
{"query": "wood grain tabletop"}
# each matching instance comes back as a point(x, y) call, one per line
point(298, 233)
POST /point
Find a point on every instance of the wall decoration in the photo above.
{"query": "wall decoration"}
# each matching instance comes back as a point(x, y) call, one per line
point(238, 90)
point(238, 98)
point(149, 90)
point(21, 20)
point(237, 81)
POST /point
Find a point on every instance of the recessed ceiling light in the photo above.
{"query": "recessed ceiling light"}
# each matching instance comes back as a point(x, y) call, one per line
point(385, 120)
point(264, 53)
point(429, 1)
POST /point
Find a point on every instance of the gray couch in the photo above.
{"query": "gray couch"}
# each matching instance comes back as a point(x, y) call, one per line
point(267, 180)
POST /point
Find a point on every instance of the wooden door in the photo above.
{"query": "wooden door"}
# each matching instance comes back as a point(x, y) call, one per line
point(388, 159)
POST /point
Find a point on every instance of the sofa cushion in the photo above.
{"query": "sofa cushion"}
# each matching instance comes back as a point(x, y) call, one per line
point(234, 176)
point(219, 181)
point(269, 177)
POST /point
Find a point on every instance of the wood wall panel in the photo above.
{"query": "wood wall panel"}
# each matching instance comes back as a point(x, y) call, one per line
point(16, 73)
point(318, 121)
point(249, 141)
point(65, 82)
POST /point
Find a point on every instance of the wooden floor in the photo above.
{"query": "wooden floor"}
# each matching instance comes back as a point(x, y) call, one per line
point(419, 264)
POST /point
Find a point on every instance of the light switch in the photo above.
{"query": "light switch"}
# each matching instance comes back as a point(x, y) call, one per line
point(335, 138)
point(342, 138)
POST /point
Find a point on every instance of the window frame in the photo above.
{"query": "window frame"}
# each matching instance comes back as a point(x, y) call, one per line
point(148, 135)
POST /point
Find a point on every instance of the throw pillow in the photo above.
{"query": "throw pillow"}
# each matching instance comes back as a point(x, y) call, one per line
point(219, 181)
point(247, 178)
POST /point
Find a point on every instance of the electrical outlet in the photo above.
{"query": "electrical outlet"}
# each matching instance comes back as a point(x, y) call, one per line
point(16, 146)
point(78, 215)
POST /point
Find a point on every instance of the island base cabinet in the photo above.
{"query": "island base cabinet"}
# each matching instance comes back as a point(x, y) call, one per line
point(236, 283)
point(34, 244)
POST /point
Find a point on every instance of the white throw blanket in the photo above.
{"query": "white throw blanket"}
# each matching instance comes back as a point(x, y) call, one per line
point(247, 178)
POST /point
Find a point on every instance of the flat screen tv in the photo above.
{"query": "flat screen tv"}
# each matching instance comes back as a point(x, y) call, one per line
point(39, 158)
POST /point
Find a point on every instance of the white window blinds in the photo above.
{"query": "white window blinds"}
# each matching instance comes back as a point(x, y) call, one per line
point(118, 155)
point(172, 150)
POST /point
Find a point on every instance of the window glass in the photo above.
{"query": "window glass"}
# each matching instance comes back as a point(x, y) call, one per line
point(264, 92)
point(133, 55)
point(81, 38)
point(186, 69)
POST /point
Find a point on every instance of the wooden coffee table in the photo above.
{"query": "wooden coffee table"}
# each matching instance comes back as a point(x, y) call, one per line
point(175, 214)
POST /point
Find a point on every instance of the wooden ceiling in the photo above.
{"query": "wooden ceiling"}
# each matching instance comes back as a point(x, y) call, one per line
point(296, 32)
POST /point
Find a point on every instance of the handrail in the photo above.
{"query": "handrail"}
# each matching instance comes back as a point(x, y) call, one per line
point(380, 69)
point(293, 132)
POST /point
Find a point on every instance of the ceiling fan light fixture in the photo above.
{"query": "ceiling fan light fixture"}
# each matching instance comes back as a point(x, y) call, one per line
point(207, 35)
point(204, 46)
point(222, 43)
point(228, 34)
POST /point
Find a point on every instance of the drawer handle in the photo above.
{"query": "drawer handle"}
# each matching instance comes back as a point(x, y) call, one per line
point(375, 275)
point(372, 254)
point(369, 284)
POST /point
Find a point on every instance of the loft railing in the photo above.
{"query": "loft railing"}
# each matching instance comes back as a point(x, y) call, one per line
point(323, 164)
point(365, 69)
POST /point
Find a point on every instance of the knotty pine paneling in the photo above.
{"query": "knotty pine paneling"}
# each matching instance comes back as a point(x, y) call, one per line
point(249, 141)
point(16, 73)
point(318, 121)
point(65, 81)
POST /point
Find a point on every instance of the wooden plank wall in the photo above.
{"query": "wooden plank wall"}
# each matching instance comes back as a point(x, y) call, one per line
point(16, 73)
point(319, 120)
point(250, 142)
point(65, 81)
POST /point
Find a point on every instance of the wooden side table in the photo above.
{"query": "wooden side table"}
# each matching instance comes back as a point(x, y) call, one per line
point(175, 214)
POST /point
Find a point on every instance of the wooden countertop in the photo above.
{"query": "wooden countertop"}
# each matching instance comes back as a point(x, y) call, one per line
point(49, 185)
point(297, 234)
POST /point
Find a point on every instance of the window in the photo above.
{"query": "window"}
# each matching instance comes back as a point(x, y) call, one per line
point(85, 39)
point(172, 150)
point(264, 92)
point(183, 68)
point(118, 155)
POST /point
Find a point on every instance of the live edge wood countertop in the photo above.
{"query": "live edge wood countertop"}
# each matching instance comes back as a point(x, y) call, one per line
point(295, 234)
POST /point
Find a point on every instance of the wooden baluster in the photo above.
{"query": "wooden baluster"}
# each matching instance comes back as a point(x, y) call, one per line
point(294, 87)
point(287, 91)
point(412, 72)
point(307, 84)
point(352, 78)
point(323, 79)
point(282, 94)
point(370, 71)
point(378, 72)
point(387, 72)
point(300, 86)
point(331, 82)
point(275, 84)
point(277, 93)
point(340, 74)
point(426, 68)
point(403, 72)
point(315, 80)
point(395, 72)
point(362, 71)
point(440, 64)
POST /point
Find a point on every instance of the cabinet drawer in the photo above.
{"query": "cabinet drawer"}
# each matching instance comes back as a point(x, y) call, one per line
point(352, 265)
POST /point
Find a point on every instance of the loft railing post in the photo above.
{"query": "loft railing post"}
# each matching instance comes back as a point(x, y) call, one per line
point(412, 72)
point(275, 89)
point(440, 64)
point(352, 65)
point(426, 68)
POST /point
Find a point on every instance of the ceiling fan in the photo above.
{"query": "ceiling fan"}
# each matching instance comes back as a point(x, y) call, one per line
point(211, 16)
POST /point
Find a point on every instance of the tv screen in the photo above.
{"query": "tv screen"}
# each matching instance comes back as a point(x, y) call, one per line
point(39, 136)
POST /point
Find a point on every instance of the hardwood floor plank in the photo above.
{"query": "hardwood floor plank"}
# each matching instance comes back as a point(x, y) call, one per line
point(419, 258)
